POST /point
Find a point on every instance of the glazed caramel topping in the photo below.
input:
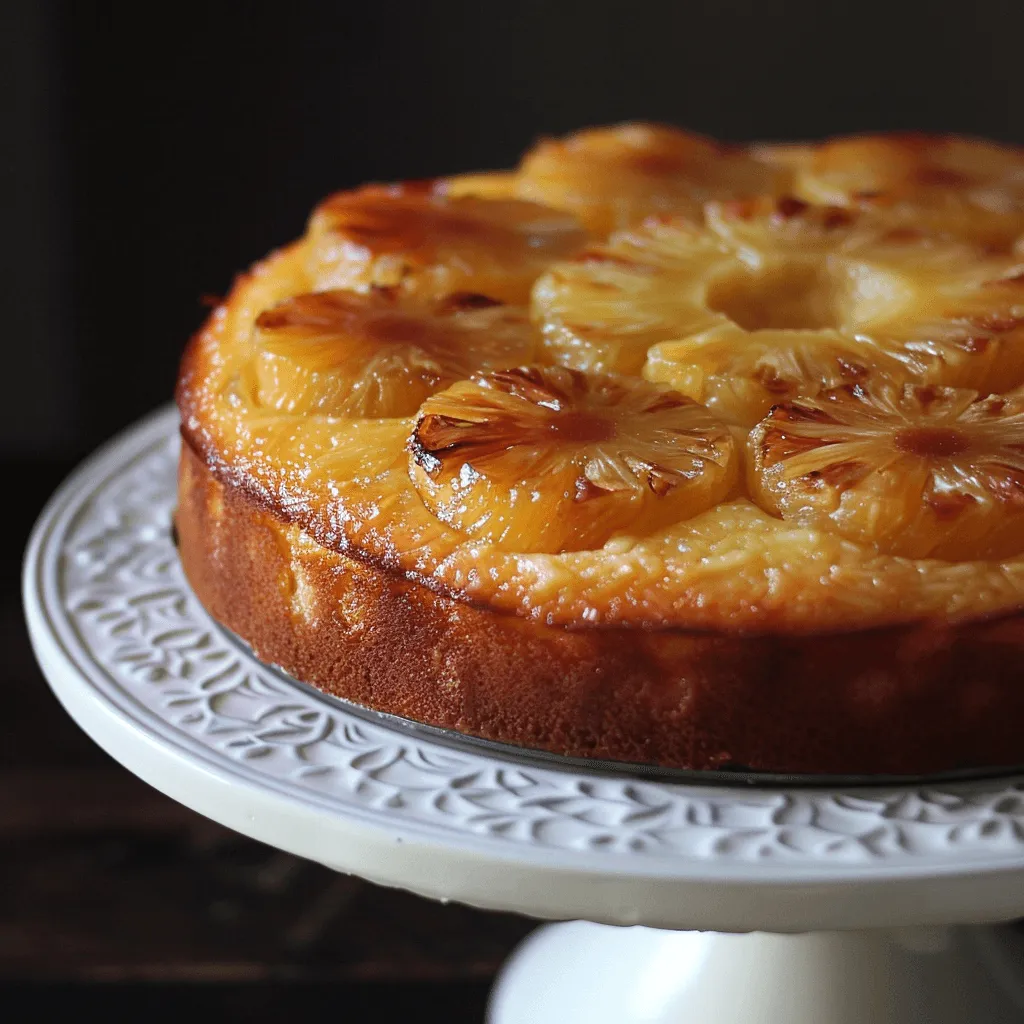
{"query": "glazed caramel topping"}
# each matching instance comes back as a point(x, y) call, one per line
point(649, 379)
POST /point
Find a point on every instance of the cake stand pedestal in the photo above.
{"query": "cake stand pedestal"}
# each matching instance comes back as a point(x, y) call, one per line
point(589, 972)
point(776, 905)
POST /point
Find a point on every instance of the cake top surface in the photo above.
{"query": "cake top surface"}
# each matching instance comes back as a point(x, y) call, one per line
point(649, 379)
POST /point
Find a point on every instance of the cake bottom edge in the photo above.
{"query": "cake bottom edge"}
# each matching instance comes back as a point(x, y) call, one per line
point(910, 700)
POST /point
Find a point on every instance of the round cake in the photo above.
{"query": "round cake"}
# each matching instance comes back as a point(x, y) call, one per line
point(653, 450)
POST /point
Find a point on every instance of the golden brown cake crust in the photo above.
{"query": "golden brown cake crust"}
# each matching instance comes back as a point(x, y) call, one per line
point(903, 700)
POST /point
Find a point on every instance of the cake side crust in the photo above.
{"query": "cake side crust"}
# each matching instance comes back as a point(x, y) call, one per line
point(903, 700)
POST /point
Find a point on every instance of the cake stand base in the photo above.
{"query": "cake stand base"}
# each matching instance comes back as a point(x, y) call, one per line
point(599, 974)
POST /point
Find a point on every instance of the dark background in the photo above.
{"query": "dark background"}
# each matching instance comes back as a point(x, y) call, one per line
point(150, 152)
point(153, 150)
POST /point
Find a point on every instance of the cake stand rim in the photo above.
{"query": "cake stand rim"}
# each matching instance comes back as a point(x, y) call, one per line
point(546, 866)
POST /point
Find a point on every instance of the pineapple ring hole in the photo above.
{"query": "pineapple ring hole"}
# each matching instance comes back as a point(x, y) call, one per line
point(790, 296)
point(805, 295)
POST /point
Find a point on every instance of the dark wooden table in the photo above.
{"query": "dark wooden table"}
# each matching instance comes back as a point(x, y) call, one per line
point(116, 900)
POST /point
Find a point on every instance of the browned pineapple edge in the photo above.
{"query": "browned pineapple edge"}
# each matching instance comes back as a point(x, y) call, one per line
point(727, 570)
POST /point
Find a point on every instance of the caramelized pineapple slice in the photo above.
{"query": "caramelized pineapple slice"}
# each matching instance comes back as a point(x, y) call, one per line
point(776, 299)
point(342, 353)
point(740, 376)
point(968, 187)
point(613, 177)
point(431, 244)
point(549, 459)
point(916, 471)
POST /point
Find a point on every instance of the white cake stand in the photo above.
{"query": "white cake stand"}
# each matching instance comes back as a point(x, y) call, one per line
point(874, 879)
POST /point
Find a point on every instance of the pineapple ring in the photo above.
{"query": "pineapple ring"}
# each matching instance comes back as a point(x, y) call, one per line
point(376, 354)
point(430, 244)
point(741, 375)
point(915, 471)
point(614, 177)
point(775, 299)
point(968, 187)
point(549, 459)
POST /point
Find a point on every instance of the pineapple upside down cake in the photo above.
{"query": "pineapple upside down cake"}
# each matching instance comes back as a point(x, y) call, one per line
point(653, 450)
